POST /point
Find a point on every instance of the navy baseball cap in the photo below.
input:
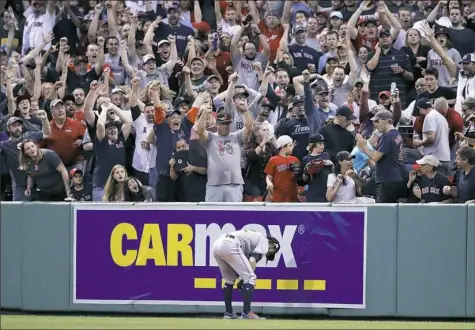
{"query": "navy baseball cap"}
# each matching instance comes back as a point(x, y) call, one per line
point(423, 103)
point(344, 111)
point(385, 32)
point(224, 118)
point(297, 99)
point(316, 138)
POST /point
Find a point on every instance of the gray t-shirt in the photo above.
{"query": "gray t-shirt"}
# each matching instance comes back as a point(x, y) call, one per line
point(117, 70)
point(434, 61)
point(224, 158)
point(45, 175)
point(10, 151)
point(251, 242)
point(161, 74)
point(434, 121)
point(339, 94)
point(247, 74)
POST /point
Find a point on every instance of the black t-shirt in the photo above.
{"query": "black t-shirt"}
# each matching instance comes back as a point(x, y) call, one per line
point(337, 139)
point(317, 187)
point(107, 154)
point(446, 92)
point(74, 80)
point(299, 131)
point(181, 33)
point(83, 195)
point(194, 184)
point(65, 28)
point(4, 37)
point(432, 189)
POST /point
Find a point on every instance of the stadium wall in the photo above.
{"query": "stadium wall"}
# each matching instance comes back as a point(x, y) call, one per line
point(420, 262)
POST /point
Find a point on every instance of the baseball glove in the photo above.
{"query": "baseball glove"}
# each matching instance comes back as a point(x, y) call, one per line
point(240, 284)
point(315, 166)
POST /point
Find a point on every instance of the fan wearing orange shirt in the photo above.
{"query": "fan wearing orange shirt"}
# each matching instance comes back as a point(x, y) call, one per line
point(280, 170)
point(271, 26)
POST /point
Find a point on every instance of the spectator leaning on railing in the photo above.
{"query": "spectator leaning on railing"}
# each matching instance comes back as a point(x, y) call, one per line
point(187, 100)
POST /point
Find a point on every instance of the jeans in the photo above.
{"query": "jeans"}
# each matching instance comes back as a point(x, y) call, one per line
point(19, 195)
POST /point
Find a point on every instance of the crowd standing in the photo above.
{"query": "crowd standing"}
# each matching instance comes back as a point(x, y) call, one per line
point(229, 101)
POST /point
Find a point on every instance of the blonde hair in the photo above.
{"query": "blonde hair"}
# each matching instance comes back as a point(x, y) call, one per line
point(112, 186)
point(25, 160)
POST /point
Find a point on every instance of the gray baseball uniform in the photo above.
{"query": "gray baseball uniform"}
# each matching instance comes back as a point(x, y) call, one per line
point(232, 252)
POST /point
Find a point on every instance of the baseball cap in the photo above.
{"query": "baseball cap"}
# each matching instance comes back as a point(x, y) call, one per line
point(385, 32)
point(197, 58)
point(336, 14)
point(110, 124)
point(13, 120)
point(297, 99)
point(344, 111)
point(179, 101)
point(358, 81)
point(173, 6)
point(117, 90)
point(283, 140)
point(442, 30)
point(56, 102)
point(245, 94)
point(266, 103)
point(148, 57)
point(368, 21)
point(75, 171)
point(224, 118)
point(211, 77)
point(172, 112)
point(423, 103)
point(382, 115)
point(428, 160)
point(316, 138)
point(468, 58)
point(320, 89)
point(344, 155)
point(298, 28)
point(374, 110)
point(331, 58)
point(80, 59)
point(385, 93)
point(163, 41)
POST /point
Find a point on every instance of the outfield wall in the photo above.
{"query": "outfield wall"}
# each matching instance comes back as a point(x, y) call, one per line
point(420, 262)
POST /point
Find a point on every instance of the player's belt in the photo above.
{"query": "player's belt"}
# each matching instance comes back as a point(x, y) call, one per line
point(230, 236)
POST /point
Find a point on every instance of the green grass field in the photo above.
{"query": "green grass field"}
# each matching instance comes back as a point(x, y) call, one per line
point(86, 322)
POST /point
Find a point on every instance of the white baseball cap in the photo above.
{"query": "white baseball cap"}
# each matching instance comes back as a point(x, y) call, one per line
point(428, 160)
point(283, 141)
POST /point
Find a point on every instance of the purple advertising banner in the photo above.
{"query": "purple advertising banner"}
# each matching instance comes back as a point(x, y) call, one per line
point(153, 254)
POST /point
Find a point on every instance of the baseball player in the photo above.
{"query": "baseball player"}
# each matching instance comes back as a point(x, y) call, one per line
point(237, 255)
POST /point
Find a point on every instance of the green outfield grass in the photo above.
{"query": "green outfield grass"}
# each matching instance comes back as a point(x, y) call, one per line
point(85, 322)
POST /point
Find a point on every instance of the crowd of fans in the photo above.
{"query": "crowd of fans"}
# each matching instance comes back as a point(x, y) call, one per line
point(234, 100)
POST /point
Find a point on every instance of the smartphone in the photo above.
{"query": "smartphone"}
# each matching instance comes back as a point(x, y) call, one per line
point(393, 88)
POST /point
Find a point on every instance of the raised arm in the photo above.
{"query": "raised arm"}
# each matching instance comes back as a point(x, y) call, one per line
point(92, 32)
point(101, 122)
point(9, 73)
point(373, 62)
point(206, 110)
point(234, 42)
point(284, 41)
point(395, 25)
point(125, 60)
point(148, 39)
point(31, 55)
point(91, 97)
point(351, 29)
point(126, 120)
point(100, 56)
point(111, 18)
point(197, 11)
point(37, 82)
point(170, 65)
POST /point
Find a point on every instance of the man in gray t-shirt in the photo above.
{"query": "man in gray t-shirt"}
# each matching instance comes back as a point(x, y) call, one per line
point(435, 135)
point(225, 182)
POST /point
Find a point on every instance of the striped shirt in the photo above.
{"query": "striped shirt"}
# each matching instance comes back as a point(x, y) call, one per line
point(382, 76)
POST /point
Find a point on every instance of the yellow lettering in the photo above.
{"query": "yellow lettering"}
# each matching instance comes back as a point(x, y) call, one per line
point(121, 230)
point(151, 236)
point(178, 241)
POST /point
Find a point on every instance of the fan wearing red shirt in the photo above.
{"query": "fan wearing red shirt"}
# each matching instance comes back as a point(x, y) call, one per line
point(271, 26)
point(280, 179)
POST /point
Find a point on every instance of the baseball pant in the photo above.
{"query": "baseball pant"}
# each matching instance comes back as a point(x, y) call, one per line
point(231, 260)
point(230, 193)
